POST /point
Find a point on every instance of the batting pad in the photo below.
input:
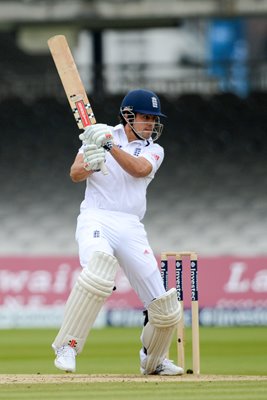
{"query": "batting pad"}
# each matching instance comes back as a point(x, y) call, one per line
point(93, 286)
point(163, 316)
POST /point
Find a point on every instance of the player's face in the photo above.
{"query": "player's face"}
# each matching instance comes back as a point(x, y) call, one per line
point(144, 124)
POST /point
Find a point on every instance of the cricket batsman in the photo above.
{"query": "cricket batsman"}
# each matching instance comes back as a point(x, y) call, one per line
point(110, 234)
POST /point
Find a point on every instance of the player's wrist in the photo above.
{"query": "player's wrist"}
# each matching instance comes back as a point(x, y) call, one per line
point(89, 170)
point(108, 146)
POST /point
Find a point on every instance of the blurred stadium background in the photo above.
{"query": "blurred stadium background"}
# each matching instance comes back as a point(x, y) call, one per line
point(207, 60)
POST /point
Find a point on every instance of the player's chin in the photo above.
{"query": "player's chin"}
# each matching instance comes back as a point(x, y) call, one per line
point(146, 134)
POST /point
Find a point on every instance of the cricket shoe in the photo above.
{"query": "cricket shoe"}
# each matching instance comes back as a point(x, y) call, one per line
point(65, 358)
point(167, 367)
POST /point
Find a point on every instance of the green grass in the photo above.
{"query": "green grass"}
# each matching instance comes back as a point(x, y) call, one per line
point(135, 391)
point(224, 351)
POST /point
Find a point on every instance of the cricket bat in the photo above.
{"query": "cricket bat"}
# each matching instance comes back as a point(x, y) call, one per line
point(72, 84)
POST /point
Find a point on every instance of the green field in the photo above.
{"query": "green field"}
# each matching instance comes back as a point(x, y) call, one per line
point(224, 351)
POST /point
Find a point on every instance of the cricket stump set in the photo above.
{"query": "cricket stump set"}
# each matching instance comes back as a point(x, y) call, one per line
point(179, 256)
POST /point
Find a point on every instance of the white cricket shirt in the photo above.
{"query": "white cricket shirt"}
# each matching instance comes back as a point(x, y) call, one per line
point(119, 191)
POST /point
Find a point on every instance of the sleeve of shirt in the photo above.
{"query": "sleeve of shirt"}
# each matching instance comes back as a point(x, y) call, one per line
point(154, 153)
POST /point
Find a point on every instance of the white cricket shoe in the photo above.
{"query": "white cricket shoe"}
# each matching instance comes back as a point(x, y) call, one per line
point(65, 358)
point(167, 367)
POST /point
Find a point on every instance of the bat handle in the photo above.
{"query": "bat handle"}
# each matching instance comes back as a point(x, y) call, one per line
point(103, 168)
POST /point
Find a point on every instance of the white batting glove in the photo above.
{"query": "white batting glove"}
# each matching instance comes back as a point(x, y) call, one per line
point(93, 157)
point(98, 134)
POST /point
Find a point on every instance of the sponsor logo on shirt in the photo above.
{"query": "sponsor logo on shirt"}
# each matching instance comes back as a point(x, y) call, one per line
point(155, 156)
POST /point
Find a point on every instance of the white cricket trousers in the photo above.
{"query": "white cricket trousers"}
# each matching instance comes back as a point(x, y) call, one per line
point(123, 236)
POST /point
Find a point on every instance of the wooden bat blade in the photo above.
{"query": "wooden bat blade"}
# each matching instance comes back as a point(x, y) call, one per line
point(72, 83)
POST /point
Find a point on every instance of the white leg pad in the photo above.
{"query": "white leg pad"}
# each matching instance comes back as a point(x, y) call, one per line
point(163, 316)
point(93, 286)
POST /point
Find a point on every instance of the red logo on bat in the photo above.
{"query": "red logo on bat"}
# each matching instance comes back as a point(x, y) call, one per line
point(83, 113)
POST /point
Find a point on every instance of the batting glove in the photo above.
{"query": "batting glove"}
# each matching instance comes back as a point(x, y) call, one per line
point(93, 157)
point(98, 134)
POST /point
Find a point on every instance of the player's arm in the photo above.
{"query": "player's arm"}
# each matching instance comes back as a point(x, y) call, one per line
point(77, 171)
point(138, 167)
point(135, 166)
point(90, 160)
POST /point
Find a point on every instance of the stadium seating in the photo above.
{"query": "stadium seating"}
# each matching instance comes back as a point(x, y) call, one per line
point(210, 194)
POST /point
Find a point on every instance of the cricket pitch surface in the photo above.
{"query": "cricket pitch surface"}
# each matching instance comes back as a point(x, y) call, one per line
point(70, 378)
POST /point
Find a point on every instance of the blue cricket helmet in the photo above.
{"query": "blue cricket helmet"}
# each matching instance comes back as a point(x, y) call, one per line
point(142, 101)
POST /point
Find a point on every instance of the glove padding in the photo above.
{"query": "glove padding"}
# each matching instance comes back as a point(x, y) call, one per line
point(93, 157)
point(98, 134)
